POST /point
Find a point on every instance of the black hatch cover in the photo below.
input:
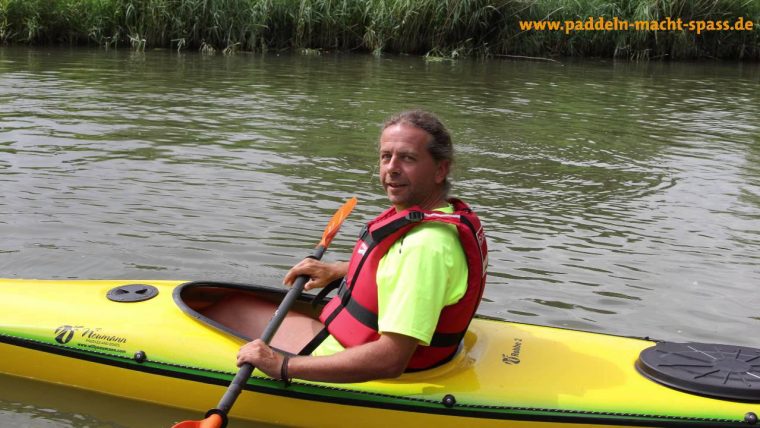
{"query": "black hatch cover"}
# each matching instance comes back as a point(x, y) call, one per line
point(725, 371)
point(132, 293)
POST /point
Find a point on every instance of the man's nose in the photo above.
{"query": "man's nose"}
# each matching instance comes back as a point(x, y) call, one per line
point(394, 163)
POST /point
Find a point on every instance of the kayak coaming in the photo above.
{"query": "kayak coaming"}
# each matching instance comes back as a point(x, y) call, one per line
point(500, 389)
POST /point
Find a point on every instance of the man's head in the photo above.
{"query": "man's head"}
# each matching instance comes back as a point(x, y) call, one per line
point(415, 156)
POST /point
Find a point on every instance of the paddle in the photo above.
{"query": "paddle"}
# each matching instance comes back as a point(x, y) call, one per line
point(217, 418)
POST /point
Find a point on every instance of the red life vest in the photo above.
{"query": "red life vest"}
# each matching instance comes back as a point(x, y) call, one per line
point(351, 316)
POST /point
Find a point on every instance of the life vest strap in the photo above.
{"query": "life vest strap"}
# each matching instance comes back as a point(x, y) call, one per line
point(362, 314)
point(443, 340)
point(383, 232)
point(315, 342)
point(320, 297)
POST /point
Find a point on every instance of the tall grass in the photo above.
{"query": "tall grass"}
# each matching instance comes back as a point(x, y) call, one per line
point(443, 28)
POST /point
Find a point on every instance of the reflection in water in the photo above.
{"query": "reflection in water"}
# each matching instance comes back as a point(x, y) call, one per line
point(29, 404)
point(617, 197)
point(22, 415)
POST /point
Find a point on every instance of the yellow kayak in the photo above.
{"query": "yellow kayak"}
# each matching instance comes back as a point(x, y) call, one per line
point(150, 341)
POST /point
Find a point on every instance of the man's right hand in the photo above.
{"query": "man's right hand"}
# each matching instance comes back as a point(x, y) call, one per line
point(320, 273)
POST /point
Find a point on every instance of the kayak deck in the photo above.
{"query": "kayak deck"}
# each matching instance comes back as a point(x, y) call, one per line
point(506, 373)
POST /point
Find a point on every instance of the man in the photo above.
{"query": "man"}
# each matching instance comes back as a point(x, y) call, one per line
point(410, 289)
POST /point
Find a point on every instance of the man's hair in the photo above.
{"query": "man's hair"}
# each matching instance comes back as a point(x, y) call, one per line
point(440, 146)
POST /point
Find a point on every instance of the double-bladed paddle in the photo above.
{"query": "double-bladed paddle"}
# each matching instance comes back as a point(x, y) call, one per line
point(217, 418)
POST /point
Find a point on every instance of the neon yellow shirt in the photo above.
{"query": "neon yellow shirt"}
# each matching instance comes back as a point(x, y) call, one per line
point(422, 272)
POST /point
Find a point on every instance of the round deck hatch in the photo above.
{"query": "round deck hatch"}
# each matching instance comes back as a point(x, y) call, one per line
point(725, 371)
point(132, 293)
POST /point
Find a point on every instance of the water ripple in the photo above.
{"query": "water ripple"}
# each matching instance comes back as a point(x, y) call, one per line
point(610, 193)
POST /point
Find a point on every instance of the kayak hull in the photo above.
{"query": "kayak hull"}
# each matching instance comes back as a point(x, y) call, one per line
point(264, 407)
point(507, 374)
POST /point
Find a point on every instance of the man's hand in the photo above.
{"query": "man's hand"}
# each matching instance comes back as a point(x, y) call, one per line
point(319, 273)
point(261, 356)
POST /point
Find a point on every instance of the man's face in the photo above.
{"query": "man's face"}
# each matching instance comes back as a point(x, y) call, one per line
point(408, 173)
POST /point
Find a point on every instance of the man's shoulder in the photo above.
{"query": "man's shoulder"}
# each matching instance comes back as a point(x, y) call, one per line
point(427, 239)
point(432, 230)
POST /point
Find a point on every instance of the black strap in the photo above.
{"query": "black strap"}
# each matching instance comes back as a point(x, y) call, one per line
point(315, 342)
point(443, 340)
point(383, 232)
point(320, 297)
point(362, 314)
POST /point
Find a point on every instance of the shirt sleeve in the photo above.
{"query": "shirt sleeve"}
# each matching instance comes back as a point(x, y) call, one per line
point(422, 272)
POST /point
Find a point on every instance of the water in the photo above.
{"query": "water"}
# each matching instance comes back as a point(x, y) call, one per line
point(619, 198)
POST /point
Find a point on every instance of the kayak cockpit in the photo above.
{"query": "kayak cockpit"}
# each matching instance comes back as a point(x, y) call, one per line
point(198, 298)
point(202, 299)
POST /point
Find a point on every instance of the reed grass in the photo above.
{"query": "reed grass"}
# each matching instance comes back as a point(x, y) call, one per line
point(436, 28)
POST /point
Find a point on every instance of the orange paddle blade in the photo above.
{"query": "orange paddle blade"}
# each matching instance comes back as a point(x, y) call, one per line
point(336, 221)
point(212, 421)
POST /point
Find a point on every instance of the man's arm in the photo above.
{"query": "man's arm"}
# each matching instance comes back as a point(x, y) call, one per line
point(384, 358)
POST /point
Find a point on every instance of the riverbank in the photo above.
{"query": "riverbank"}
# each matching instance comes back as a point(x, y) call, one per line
point(437, 28)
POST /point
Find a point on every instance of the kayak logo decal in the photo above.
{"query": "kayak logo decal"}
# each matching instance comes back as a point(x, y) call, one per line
point(92, 335)
point(514, 357)
point(64, 334)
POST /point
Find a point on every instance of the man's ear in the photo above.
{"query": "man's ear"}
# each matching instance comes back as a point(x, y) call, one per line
point(442, 171)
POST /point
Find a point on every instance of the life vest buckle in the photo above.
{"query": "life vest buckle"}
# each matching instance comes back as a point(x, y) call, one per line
point(415, 216)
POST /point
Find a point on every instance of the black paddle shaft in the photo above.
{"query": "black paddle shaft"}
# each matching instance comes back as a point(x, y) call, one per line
point(241, 378)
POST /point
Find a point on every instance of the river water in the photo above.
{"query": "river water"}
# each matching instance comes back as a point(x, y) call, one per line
point(617, 197)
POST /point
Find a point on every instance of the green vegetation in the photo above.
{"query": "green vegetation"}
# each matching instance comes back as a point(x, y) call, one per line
point(437, 28)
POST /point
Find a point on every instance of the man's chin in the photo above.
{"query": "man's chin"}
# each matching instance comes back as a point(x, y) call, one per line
point(397, 201)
